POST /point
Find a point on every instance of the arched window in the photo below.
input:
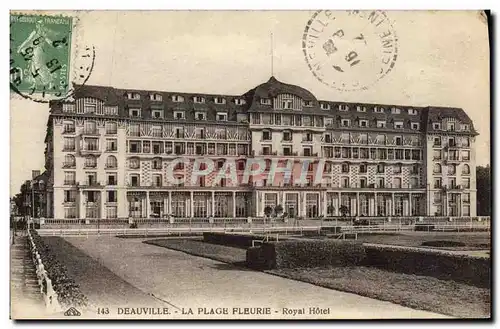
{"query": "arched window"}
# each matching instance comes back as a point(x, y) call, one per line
point(111, 162)
point(69, 161)
point(452, 169)
point(134, 163)
point(466, 169)
point(437, 168)
point(90, 161)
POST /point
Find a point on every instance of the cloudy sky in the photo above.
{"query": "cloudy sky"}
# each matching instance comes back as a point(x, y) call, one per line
point(443, 60)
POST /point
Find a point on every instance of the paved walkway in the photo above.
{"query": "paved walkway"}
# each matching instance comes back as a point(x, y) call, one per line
point(25, 298)
point(185, 281)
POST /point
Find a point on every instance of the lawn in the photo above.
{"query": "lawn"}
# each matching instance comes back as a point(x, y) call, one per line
point(418, 292)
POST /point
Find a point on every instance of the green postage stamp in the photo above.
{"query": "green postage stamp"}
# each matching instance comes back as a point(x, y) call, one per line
point(40, 52)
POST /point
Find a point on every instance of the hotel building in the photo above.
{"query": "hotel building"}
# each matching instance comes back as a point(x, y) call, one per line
point(108, 151)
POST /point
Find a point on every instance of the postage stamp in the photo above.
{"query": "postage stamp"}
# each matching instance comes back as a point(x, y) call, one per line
point(41, 56)
point(350, 50)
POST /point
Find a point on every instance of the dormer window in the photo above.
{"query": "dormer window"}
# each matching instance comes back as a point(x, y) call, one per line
point(200, 116)
point(177, 98)
point(265, 101)
point(132, 95)
point(345, 122)
point(89, 108)
point(415, 126)
point(157, 114)
point(398, 125)
point(451, 126)
point(155, 97)
point(343, 107)
point(436, 126)
point(287, 104)
point(308, 103)
point(239, 101)
point(381, 124)
point(396, 110)
point(377, 109)
point(219, 100)
point(363, 123)
point(325, 106)
point(361, 108)
point(134, 113)
point(179, 115)
point(412, 112)
point(465, 127)
point(221, 116)
point(199, 99)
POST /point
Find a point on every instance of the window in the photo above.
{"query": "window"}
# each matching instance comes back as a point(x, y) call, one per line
point(239, 101)
point(397, 182)
point(307, 151)
point(111, 196)
point(91, 144)
point(324, 106)
point(69, 144)
point(466, 198)
point(287, 104)
point(451, 126)
point(363, 123)
point(345, 168)
point(134, 113)
point(399, 141)
point(157, 180)
point(69, 178)
point(412, 112)
point(68, 127)
point(199, 99)
point(155, 97)
point(157, 114)
point(466, 169)
point(111, 162)
point(452, 182)
point(397, 168)
point(91, 178)
point(380, 182)
point(90, 161)
point(69, 161)
point(436, 155)
point(466, 182)
point(133, 95)
point(465, 127)
point(179, 115)
point(363, 182)
point(361, 108)
point(70, 196)
point(308, 137)
point(466, 142)
point(345, 122)
point(343, 107)
point(377, 109)
point(395, 110)
point(89, 108)
point(381, 124)
point(308, 103)
point(414, 182)
point(265, 101)
point(344, 181)
point(221, 116)
point(437, 182)
point(134, 163)
point(380, 168)
point(437, 168)
point(266, 135)
point(451, 142)
point(112, 180)
point(134, 180)
point(287, 136)
point(415, 125)
point(177, 98)
point(111, 128)
point(111, 145)
point(398, 124)
point(363, 168)
point(219, 100)
point(200, 116)
point(436, 126)
point(465, 155)
point(437, 141)
point(415, 169)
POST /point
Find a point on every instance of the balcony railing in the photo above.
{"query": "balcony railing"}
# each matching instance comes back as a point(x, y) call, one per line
point(69, 182)
point(68, 165)
point(90, 132)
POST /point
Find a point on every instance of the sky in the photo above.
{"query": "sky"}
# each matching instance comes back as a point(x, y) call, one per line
point(443, 60)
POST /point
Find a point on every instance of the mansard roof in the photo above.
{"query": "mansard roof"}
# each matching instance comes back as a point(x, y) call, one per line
point(268, 90)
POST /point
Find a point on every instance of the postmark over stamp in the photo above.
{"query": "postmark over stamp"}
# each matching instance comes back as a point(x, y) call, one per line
point(41, 55)
point(350, 50)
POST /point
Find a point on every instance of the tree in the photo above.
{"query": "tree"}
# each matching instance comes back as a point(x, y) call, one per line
point(268, 210)
point(344, 210)
point(483, 185)
point(278, 210)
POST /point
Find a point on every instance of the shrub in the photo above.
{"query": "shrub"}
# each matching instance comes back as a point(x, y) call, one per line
point(443, 243)
point(424, 227)
point(133, 225)
point(68, 292)
point(308, 253)
point(237, 240)
point(331, 230)
point(438, 264)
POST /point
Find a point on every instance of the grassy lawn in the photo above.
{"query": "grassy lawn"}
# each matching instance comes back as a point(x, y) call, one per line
point(418, 292)
point(102, 287)
point(197, 247)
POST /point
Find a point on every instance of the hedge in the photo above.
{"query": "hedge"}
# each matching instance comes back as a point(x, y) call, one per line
point(236, 240)
point(438, 264)
point(68, 292)
point(306, 253)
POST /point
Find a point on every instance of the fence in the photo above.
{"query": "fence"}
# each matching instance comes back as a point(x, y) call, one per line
point(46, 289)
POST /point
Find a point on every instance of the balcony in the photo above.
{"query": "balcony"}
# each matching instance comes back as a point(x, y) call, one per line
point(90, 132)
point(69, 182)
point(90, 184)
point(69, 165)
point(90, 151)
point(68, 131)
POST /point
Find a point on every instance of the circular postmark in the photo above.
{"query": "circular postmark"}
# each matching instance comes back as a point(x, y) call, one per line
point(41, 58)
point(350, 50)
